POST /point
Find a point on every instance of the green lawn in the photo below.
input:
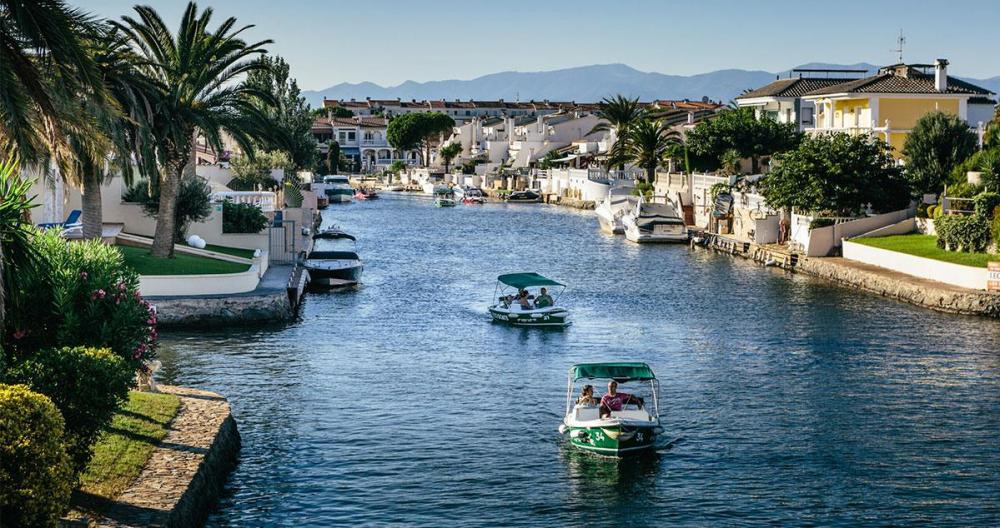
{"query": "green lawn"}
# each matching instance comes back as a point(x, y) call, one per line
point(140, 260)
point(236, 252)
point(926, 246)
point(123, 449)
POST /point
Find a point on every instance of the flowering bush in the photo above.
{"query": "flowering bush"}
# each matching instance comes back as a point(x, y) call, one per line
point(81, 294)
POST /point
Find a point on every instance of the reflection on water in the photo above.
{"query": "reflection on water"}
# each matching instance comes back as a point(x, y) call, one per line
point(400, 403)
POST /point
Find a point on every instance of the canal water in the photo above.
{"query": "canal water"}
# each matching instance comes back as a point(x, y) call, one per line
point(796, 402)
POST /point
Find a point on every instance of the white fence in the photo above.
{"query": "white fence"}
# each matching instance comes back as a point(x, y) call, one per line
point(266, 200)
point(925, 268)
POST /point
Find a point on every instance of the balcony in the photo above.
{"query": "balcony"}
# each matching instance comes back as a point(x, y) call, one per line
point(374, 142)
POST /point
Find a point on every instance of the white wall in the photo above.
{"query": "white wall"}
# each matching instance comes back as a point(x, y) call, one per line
point(820, 242)
point(214, 284)
point(946, 272)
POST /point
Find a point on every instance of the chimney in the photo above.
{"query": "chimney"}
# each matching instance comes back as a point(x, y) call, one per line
point(941, 75)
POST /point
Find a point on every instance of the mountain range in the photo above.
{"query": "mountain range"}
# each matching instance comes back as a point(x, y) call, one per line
point(584, 83)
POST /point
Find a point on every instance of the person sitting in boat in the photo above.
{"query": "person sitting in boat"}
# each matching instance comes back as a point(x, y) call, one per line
point(615, 401)
point(522, 299)
point(587, 396)
point(544, 300)
point(507, 300)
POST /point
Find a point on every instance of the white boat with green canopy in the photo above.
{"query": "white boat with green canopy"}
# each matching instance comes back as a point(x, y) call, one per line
point(618, 424)
point(538, 308)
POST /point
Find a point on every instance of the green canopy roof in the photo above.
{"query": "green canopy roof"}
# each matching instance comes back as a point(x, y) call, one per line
point(524, 280)
point(618, 371)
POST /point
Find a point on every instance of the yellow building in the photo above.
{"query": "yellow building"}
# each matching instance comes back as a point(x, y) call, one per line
point(890, 103)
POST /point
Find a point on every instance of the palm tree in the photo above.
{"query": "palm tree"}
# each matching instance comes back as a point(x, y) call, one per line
point(115, 131)
point(448, 153)
point(618, 114)
point(647, 143)
point(196, 74)
point(43, 58)
point(15, 250)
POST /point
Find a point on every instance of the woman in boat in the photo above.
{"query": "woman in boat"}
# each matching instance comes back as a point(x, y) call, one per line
point(523, 300)
point(616, 401)
point(587, 396)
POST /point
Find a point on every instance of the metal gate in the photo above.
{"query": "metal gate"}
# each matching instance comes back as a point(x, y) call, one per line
point(281, 242)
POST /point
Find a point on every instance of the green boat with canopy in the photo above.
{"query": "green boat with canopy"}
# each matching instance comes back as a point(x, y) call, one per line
point(539, 308)
point(444, 197)
point(619, 424)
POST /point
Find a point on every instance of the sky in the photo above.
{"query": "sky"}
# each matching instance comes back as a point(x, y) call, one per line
point(388, 42)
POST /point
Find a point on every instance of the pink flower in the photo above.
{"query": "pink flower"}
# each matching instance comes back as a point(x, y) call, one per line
point(20, 334)
point(121, 286)
point(99, 294)
point(83, 275)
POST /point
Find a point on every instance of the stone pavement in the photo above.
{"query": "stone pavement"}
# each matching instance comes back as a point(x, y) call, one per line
point(185, 473)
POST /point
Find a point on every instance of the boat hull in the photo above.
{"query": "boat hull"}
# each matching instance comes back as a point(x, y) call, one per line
point(444, 202)
point(558, 318)
point(675, 235)
point(335, 278)
point(610, 226)
point(614, 440)
point(339, 198)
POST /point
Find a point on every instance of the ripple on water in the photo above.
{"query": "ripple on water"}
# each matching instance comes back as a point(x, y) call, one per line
point(797, 401)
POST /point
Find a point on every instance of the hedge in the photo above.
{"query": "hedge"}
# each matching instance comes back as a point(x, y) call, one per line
point(963, 233)
point(87, 385)
point(242, 218)
point(985, 202)
point(35, 475)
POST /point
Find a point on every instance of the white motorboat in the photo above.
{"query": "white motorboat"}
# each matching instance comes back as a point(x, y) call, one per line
point(612, 209)
point(337, 188)
point(653, 222)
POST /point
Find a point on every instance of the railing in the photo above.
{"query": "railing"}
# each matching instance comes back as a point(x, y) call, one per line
point(378, 142)
point(266, 200)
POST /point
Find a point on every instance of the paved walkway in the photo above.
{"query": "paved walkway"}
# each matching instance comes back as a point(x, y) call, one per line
point(186, 471)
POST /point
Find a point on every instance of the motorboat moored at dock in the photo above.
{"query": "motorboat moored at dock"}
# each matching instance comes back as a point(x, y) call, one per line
point(654, 222)
point(333, 269)
point(612, 209)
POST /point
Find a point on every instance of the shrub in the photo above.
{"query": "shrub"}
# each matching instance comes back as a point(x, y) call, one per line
point(930, 211)
point(938, 211)
point(995, 226)
point(293, 196)
point(642, 189)
point(35, 475)
point(970, 234)
point(252, 174)
point(964, 190)
point(86, 384)
point(80, 294)
point(817, 223)
point(937, 144)
point(242, 218)
point(922, 209)
point(985, 202)
point(194, 202)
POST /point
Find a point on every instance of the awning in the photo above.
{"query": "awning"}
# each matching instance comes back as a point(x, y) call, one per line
point(623, 371)
point(524, 280)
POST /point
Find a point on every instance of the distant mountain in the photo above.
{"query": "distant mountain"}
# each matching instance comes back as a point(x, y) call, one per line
point(584, 83)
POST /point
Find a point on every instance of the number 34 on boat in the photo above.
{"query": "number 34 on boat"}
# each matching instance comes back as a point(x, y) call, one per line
point(524, 299)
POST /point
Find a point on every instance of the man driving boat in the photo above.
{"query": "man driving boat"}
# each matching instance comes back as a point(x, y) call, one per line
point(544, 300)
point(615, 401)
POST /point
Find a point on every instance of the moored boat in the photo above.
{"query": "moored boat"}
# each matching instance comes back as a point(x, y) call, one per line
point(365, 194)
point(612, 209)
point(651, 222)
point(333, 269)
point(542, 311)
point(473, 196)
point(337, 188)
point(605, 431)
point(526, 196)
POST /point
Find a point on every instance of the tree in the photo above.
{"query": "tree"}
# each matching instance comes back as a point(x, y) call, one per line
point(114, 130)
point(836, 173)
point(448, 153)
point(16, 251)
point(332, 157)
point(647, 143)
point(195, 73)
point(738, 129)
point(618, 114)
point(42, 59)
point(194, 202)
point(418, 130)
point(289, 114)
point(937, 143)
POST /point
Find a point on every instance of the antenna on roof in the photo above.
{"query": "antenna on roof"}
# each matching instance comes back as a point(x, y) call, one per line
point(899, 43)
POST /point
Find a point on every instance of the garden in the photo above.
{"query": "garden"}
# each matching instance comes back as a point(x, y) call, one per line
point(75, 334)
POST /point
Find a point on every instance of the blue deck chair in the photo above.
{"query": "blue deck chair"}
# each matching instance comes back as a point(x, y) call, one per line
point(73, 220)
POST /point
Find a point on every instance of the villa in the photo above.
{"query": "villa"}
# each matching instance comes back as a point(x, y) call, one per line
point(362, 140)
point(887, 104)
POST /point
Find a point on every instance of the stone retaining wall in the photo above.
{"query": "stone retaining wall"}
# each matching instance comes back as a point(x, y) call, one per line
point(576, 203)
point(914, 290)
point(186, 472)
point(223, 310)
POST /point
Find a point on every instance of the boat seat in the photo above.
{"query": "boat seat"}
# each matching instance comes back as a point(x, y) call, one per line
point(587, 412)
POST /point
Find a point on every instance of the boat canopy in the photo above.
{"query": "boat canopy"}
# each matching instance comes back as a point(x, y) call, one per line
point(333, 235)
point(524, 280)
point(623, 371)
point(443, 190)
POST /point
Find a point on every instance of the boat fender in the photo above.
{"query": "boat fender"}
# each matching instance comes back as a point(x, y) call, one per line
point(562, 428)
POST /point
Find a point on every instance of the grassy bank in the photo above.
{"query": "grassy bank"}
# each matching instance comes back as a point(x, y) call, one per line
point(143, 263)
point(926, 246)
point(236, 252)
point(123, 449)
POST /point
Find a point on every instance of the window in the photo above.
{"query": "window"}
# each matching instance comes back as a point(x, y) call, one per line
point(352, 136)
point(807, 116)
point(342, 136)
